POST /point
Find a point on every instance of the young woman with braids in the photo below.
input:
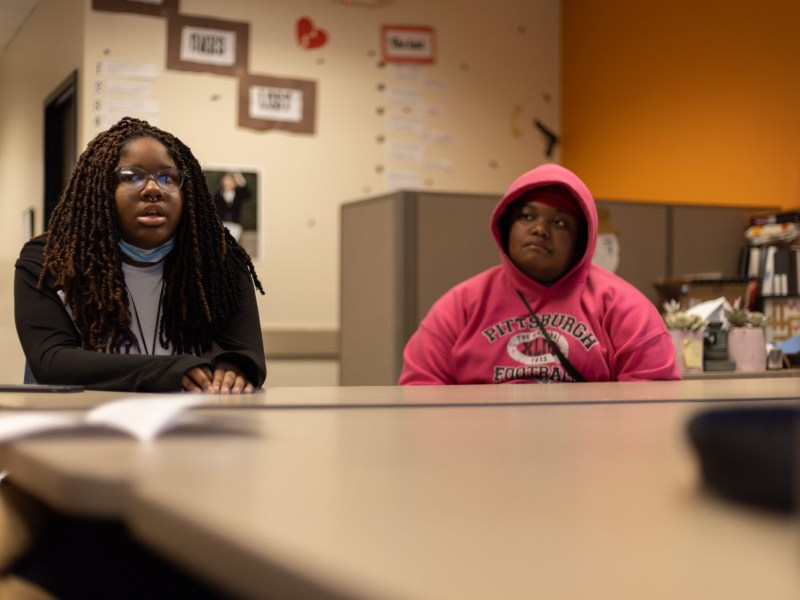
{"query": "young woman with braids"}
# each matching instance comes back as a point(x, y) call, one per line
point(136, 285)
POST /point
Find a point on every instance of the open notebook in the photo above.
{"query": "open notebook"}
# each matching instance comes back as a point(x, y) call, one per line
point(142, 418)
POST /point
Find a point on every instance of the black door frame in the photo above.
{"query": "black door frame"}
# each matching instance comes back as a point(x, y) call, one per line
point(60, 140)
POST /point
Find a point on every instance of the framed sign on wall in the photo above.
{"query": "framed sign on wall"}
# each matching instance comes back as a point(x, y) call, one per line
point(277, 103)
point(209, 45)
point(408, 44)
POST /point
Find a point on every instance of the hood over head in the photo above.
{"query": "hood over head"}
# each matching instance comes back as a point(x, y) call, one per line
point(560, 188)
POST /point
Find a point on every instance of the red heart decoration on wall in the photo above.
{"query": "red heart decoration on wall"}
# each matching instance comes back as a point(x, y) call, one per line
point(309, 36)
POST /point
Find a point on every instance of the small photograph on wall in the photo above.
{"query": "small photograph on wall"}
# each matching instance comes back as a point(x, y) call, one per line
point(236, 192)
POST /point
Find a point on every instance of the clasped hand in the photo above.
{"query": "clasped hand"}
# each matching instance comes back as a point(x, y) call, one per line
point(226, 378)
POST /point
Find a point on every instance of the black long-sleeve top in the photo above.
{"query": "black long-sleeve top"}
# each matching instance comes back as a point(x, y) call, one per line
point(55, 354)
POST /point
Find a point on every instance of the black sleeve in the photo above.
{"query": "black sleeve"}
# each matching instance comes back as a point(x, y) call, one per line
point(52, 344)
point(240, 342)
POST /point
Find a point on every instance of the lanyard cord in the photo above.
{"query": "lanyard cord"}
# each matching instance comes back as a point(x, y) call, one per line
point(574, 373)
point(139, 323)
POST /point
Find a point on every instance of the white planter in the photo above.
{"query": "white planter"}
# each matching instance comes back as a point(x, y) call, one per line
point(688, 350)
point(747, 347)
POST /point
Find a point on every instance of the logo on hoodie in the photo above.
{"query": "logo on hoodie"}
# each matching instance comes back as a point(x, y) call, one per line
point(526, 345)
point(531, 347)
point(556, 324)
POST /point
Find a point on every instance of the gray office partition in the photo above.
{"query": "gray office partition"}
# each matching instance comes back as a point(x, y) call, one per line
point(708, 239)
point(643, 233)
point(373, 273)
point(402, 251)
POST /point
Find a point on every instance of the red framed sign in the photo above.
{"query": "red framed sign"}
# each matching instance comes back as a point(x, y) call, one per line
point(408, 44)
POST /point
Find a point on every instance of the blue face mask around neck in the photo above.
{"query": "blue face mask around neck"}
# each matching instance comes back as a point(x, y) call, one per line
point(147, 256)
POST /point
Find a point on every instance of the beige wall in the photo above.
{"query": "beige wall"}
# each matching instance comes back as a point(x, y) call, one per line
point(684, 101)
point(32, 67)
point(39, 59)
point(488, 63)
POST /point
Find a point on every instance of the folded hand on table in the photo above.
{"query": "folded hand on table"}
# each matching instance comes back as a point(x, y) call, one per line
point(226, 378)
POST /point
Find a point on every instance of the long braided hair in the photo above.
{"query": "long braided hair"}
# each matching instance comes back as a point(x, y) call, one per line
point(82, 256)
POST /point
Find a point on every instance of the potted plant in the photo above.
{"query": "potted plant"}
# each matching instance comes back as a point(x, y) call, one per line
point(747, 342)
point(687, 331)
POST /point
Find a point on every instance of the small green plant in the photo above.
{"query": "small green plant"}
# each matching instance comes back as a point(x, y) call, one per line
point(675, 318)
point(740, 316)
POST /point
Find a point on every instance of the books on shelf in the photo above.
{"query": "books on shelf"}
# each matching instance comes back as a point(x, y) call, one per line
point(776, 233)
point(776, 267)
point(791, 216)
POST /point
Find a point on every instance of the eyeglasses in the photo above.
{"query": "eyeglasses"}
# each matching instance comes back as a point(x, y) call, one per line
point(134, 178)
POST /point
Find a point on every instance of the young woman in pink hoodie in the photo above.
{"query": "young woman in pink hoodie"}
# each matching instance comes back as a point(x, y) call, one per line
point(546, 313)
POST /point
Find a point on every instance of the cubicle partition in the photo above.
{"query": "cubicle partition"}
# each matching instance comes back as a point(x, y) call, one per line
point(401, 251)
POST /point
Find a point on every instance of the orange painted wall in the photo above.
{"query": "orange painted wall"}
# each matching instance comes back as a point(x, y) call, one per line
point(686, 101)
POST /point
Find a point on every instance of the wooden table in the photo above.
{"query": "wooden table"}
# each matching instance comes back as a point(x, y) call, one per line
point(793, 372)
point(700, 390)
point(459, 499)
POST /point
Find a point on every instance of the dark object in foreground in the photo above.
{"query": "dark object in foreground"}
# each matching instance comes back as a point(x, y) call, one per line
point(39, 387)
point(750, 454)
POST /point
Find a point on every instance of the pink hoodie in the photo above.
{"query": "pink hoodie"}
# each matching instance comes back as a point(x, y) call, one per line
point(480, 331)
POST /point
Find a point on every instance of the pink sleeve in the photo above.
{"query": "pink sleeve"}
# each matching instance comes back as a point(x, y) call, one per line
point(651, 362)
point(644, 350)
point(428, 355)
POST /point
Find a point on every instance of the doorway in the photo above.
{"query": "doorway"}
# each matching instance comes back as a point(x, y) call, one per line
point(60, 140)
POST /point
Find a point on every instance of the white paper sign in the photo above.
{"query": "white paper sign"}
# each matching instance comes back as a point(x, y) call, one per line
point(407, 73)
point(415, 44)
point(400, 179)
point(405, 123)
point(438, 137)
point(429, 109)
point(125, 87)
point(133, 106)
point(607, 252)
point(127, 68)
point(403, 96)
point(276, 104)
point(405, 150)
point(439, 164)
point(208, 46)
point(435, 84)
